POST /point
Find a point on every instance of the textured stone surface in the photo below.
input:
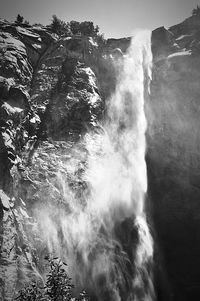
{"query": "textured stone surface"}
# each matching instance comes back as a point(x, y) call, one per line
point(48, 90)
point(173, 154)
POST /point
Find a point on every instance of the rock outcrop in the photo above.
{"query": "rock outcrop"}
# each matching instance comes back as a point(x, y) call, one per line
point(173, 154)
point(52, 90)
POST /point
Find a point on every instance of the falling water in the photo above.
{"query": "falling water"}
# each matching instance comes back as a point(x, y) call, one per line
point(105, 236)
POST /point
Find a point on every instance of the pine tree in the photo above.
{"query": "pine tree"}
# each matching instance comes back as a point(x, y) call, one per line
point(196, 11)
point(59, 27)
point(19, 19)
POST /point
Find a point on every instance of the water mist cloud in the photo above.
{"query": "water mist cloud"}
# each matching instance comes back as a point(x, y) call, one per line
point(85, 234)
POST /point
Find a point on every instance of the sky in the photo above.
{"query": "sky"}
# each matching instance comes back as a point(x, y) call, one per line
point(116, 18)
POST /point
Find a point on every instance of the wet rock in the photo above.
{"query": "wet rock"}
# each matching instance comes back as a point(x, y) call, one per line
point(42, 80)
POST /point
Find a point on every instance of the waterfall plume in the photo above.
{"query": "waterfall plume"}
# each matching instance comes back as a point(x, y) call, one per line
point(103, 235)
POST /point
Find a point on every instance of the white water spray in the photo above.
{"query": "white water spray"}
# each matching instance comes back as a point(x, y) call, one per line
point(94, 229)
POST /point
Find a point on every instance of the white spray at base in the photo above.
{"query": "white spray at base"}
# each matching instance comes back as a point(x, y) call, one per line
point(105, 236)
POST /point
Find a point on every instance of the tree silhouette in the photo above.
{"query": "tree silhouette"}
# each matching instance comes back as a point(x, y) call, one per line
point(59, 27)
point(19, 19)
point(196, 11)
point(75, 27)
point(85, 28)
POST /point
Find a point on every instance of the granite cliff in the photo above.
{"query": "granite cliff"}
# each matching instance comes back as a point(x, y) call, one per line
point(173, 152)
point(52, 91)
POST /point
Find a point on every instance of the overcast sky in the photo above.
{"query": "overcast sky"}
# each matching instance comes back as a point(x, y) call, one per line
point(116, 18)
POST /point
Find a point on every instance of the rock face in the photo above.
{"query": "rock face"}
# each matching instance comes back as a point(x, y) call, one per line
point(173, 154)
point(51, 92)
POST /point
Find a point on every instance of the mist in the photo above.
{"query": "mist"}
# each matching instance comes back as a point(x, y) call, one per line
point(87, 231)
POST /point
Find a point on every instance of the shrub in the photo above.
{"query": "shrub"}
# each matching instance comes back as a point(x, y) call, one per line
point(58, 286)
point(31, 292)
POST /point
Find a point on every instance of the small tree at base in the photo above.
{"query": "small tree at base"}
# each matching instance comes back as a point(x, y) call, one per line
point(58, 285)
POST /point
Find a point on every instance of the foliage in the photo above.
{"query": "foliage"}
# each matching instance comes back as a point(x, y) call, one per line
point(31, 292)
point(65, 29)
point(62, 28)
point(19, 19)
point(85, 28)
point(58, 286)
point(196, 11)
point(74, 26)
point(101, 41)
point(59, 27)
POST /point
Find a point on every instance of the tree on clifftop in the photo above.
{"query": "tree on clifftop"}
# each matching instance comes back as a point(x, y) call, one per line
point(85, 28)
point(75, 27)
point(19, 19)
point(63, 29)
point(59, 27)
point(196, 11)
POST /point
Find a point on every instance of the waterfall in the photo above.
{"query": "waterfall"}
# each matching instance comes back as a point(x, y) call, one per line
point(105, 236)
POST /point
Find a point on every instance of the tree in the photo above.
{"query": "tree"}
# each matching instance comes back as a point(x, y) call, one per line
point(19, 19)
point(75, 27)
point(96, 30)
point(62, 28)
point(101, 41)
point(87, 28)
point(196, 11)
point(59, 27)
point(58, 284)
